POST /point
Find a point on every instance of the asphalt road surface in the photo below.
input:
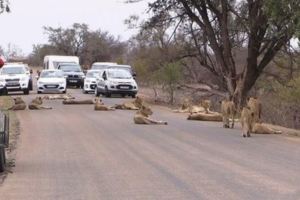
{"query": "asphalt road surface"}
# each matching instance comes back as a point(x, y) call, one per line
point(75, 153)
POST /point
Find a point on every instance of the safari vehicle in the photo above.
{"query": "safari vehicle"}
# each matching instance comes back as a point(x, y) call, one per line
point(14, 77)
point(51, 81)
point(73, 73)
point(52, 61)
point(116, 81)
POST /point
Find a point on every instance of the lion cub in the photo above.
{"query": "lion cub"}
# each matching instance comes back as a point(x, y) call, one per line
point(19, 104)
point(36, 104)
point(99, 105)
point(142, 116)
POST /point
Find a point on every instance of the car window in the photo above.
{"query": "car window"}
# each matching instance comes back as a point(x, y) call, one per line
point(92, 74)
point(52, 74)
point(70, 68)
point(13, 70)
point(119, 74)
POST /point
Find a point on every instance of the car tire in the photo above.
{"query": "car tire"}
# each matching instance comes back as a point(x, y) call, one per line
point(97, 94)
point(30, 86)
point(107, 93)
point(2, 159)
point(64, 92)
point(26, 91)
point(84, 92)
point(133, 95)
point(39, 92)
point(123, 95)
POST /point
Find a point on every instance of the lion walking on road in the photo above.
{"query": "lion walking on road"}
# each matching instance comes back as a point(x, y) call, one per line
point(228, 111)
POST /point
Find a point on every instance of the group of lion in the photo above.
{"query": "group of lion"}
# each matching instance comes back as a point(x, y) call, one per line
point(250, 115)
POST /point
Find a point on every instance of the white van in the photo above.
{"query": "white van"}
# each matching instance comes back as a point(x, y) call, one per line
point(52, 62)
point(116, 81)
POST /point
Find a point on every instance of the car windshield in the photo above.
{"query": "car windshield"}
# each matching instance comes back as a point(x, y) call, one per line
point(13, 70)
point(52, 74)
point(92, 74)
point(97, 67)
point(70, 68)
point(119, 74)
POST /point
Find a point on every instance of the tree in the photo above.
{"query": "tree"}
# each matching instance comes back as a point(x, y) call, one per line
point(218, 27)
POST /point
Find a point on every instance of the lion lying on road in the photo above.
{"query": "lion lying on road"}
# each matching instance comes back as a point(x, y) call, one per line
point(212, 116)
point(142, 116)
point(36, 104)
point(134, 105)
point(58, 97)
point(77, 102)
point(19, 104)
point(249, 125)
point(187, 107)
point(99, 105)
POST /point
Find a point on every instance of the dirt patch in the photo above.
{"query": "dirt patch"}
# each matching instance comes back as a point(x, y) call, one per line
point(14, 130)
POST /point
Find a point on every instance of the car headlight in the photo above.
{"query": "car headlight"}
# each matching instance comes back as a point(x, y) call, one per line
point(113, 83)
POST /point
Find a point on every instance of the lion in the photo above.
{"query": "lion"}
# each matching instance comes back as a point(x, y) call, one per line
point(99, 105)
point(255, 105)
point(212, 116)
point(77, 102)
point(36, 104)
point(19, 104)
point(260, 128)
point(185, 106)
point(206, 104)
point(247, 121)
point(228, 111)
point(134, 105)
point(58, 97)
point(142, 116)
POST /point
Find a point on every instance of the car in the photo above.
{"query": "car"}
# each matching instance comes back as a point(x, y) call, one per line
point(13, 77)
point(127, 67)
point(51, 81)
point(116, 81)
point(73, 73)
point(90, 81)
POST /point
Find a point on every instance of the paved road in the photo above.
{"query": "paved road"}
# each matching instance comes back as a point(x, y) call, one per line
point(75, 153)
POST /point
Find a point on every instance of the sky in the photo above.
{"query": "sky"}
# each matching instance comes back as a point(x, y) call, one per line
point(23, 27)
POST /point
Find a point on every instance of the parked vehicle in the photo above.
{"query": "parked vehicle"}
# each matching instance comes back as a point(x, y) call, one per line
point(101, 65)
point(52, 62)
point(13, 77)
point(73, 73)
point(52, 81)
point(90, 81)
point(116, 81)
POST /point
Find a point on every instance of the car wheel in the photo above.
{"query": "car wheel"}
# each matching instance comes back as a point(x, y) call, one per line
point(123, 95)
point(107, 93)
point(30, 86)
point(84, 92)
point(133, 96)
point(97, 94)
point(39, 92)
point(2, 159)
point(26, 91)
point(64, 92)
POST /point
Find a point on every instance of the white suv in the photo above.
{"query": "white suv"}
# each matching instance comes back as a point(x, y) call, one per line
point(116, 81)
point(13, 77)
